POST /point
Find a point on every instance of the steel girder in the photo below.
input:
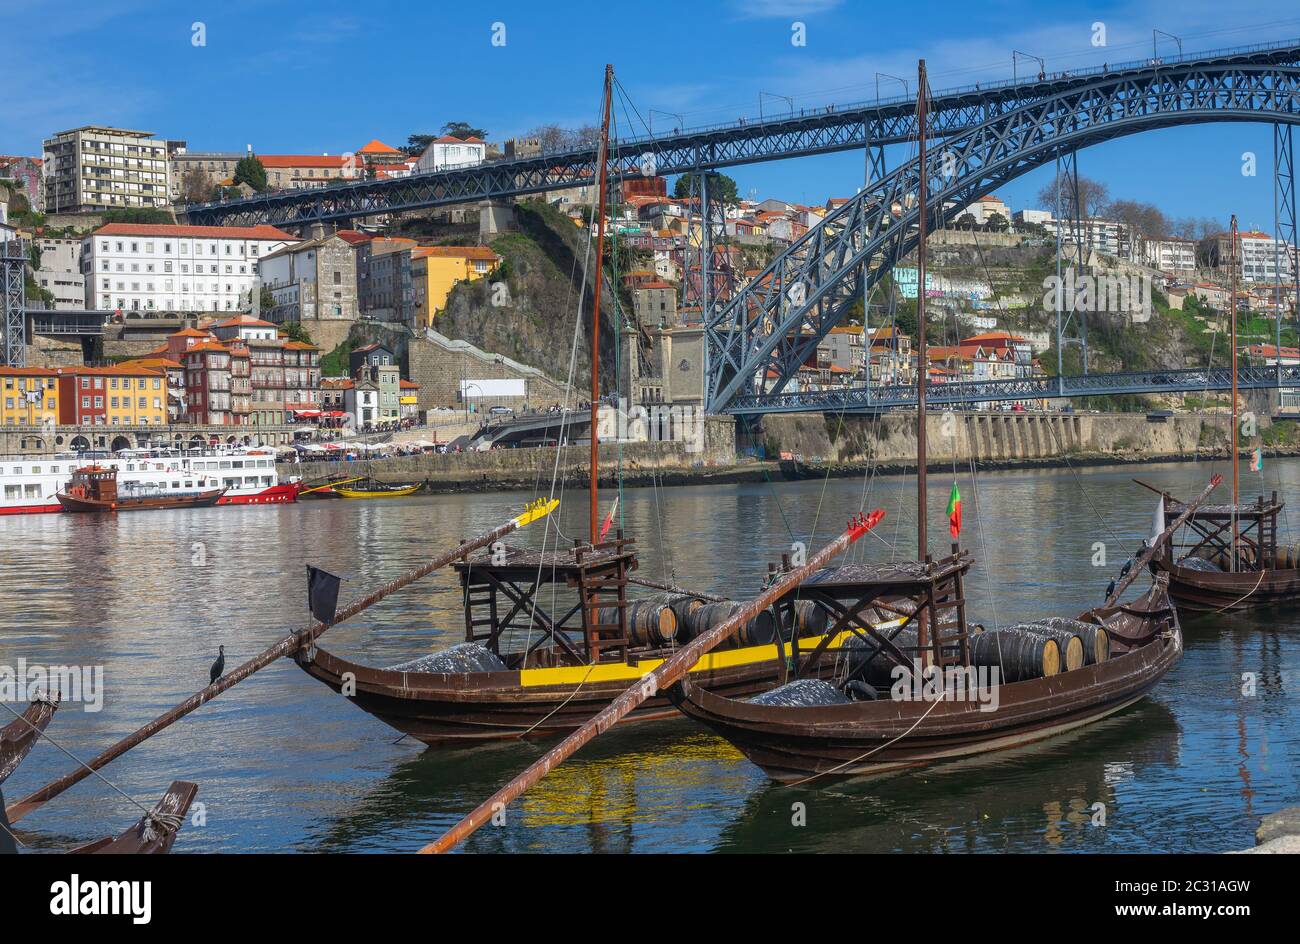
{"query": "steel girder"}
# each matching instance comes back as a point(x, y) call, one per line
point(13, 299)
point(819, 131)
point(970, 392)
point(774, 325)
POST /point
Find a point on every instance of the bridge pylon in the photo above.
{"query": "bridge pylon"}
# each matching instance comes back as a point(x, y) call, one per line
point(13, 262)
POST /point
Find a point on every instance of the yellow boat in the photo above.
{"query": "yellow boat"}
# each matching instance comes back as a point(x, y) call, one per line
point(378, 490)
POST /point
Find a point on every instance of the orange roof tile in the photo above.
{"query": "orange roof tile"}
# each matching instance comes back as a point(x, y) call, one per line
point(261, 231)
point(378, 147)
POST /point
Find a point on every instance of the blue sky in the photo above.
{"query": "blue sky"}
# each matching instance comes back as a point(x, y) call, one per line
point(328, 76)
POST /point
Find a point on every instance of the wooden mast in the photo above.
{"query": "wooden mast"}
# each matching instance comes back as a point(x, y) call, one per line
point(922, 368)
point(601, 160)
point(1235, 458)
point(922, 358)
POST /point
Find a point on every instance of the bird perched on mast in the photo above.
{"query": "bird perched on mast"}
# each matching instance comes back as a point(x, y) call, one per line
point(219, 666)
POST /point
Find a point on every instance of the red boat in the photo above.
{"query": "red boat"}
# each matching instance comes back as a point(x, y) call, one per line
point(94, 488)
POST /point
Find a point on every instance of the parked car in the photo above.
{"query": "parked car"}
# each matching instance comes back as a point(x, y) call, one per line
point(501, 411)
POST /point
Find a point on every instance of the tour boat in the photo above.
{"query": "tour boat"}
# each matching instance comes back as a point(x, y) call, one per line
point(94, 488)
point(30, 484)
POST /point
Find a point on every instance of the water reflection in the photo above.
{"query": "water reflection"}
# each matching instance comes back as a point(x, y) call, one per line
point(284, 764)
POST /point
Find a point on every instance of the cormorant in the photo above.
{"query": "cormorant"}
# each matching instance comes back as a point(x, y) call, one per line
point(219, 666)
point(1110, 588)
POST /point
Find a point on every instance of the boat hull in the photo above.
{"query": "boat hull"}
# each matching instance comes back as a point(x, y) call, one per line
point(875, 737)
point(1199, 591)
point(386, 493)
point(439, 708)
point(282, 494)
point(153, 503)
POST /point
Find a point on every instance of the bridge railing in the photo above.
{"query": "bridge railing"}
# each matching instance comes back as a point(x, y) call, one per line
point(971, 392)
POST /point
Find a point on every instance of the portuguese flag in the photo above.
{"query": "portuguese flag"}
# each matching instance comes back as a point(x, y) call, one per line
point(954, 511)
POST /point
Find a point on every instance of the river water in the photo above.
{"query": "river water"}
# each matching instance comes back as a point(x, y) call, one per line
point(284, 764)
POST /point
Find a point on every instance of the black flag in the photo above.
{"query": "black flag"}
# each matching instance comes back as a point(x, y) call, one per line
point(322, 593)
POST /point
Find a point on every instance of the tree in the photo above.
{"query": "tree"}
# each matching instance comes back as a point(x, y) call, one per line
point(250, 171)
point(997, 223)
point(294, 331)
point(138, 215)
point(1093, 196)
point(721, 187)
point(966, 221)
point(1144, 219)
point(196, 185)
point(416, 143)
point(463, 130)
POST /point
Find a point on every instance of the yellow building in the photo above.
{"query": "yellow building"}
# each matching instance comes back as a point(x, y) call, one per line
point(29, 396)
point(435, 269)
point(135, 396)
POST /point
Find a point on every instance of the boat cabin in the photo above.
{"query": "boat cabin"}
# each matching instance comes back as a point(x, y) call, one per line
point(1208, 535)
point(95, 483)
point(895, 613)
point(502, 591)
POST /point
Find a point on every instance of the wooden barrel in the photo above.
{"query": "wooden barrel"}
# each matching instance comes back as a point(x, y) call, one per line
point(649, 622)
point(1071, 646)
point(809, 620)
point(1287, 557)
point(1019, 655)
point(1096, 640)
point(758, 631)
point(878, 670)
point(682, 604)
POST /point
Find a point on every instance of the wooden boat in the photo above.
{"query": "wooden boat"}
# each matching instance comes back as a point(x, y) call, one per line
point(933, 687)
point(852, 738)
point(325, 489)
point(526, 670)
point(369, 488)
point(1207, 575)
point(155, 832)
point(94, 488)
point(1230, 560)
point(19, 736)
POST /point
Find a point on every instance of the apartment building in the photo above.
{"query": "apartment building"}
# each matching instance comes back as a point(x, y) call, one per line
point(436, 270)
point(310, 171)
point(125, 395)
point(60, 271)
point(146, 267)
point(30, 396)
point(218, 384)
point(312, 280)
point(1260, 257)
point(219, 166)
point(1170, 255)
point(96, 168)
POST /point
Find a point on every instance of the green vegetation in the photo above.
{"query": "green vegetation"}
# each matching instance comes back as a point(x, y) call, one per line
point(138, 215)
point(721, 187)
point(294, 331)
point(250, 171)
point(335, 363)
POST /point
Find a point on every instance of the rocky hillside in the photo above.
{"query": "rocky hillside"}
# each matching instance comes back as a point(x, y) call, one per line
point(543, 273)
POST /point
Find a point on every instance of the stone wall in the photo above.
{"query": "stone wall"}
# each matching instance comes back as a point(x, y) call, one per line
point(36, 440)
point(989, 437)
point(439, 367)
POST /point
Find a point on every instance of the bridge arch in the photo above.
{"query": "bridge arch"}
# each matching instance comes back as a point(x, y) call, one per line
point(774, 324)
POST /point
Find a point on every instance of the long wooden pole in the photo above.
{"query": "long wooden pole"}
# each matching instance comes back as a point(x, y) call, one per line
point(1156, 543)
point(1235, 460)
point(668, 673)
point(922, 367)
point(286, 646)
point(601, 184)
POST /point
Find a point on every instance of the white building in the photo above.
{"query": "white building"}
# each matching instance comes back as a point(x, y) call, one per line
point(7, 232)
point(60, 271)
point(96, 168)
point(1263, 258)
point(447, 152)
point(1170, 255)
point(1109, 236)
point(985, 207)
point(148, 267)
point(1031, 217)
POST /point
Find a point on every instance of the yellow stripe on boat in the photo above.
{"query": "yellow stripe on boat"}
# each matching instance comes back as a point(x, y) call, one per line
point(537, 509)
point(621, 671)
